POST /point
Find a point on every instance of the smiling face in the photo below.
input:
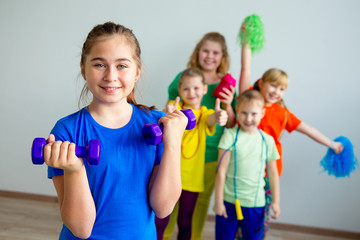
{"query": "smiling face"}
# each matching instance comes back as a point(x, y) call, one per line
point(272, 85)
point(210, 56)
point(110, 70)
point(250, 113)
point(272, 92)
point(191, 90)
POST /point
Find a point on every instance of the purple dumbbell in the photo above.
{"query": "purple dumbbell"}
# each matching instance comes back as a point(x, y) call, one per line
point(153, 132)
point(91, 152)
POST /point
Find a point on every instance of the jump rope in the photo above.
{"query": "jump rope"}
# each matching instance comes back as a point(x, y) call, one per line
point(237, 201)
point(340, 165)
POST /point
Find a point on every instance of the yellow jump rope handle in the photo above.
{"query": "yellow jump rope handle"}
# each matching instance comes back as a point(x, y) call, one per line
point(238, 210)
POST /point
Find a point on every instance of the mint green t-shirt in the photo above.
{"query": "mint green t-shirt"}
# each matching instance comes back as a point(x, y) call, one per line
point(251, 153)
point(211, 153)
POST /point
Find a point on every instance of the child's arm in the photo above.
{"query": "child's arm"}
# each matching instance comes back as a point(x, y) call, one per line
point(220, 116)
point(169, 108)
point(77, 207)
point(245, 73)
point(219, 207)
point(274, 187)
point(227, 99)
point(231, 117)
point(165, 182)
point(317, 136)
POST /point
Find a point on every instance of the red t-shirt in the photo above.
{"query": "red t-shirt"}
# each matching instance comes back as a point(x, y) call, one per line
point(275, 120)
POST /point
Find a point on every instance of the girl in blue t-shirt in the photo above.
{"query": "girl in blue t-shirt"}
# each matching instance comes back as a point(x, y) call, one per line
point(134, 181)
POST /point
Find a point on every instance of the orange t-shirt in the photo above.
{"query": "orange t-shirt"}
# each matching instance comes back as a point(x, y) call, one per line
point(275, 120)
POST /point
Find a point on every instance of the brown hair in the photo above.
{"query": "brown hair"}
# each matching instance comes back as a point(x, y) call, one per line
point(191, 72)
point(106, 30)
point(214, 37)
point(274, 75)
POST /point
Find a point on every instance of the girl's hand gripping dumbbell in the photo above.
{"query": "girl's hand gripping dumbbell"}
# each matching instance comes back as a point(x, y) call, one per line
point(152, 132)
point(91, 152)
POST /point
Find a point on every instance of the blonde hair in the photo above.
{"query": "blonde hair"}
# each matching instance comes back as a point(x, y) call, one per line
point(277, 76)
point(191, 72)
point(214, 37)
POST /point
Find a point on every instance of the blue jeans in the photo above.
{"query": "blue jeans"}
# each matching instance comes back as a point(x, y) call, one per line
point(252, 225)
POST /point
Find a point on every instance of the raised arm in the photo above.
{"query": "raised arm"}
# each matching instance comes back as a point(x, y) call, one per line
point(77, 207)
point(317, 136)
point(219, 207)
point(245, 72)
point(165, 182)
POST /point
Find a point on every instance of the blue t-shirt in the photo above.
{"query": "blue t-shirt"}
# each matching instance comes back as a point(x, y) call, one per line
point(119, 184)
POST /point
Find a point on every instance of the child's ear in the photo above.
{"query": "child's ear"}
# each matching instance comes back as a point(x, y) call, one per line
point(82, 70)
point(261, 83)
point(138, 74)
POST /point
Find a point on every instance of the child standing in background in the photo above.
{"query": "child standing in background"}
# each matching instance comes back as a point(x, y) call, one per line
point(119, 198)
point(192, 88)
point(244, 151)
point(211, 57)
point(277, 118)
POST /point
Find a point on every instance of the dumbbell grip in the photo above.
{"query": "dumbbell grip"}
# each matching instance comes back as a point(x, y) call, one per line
point(91, 152)
point(153, 132)
point(191, 119)
point(80, 151)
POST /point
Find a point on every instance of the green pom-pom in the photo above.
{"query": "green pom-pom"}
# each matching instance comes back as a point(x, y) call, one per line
point(253, 32)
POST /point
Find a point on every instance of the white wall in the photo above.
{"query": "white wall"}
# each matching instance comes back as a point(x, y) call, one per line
point(316, 42)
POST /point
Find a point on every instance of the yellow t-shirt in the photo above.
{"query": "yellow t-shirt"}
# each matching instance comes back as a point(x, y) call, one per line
point(193, 151)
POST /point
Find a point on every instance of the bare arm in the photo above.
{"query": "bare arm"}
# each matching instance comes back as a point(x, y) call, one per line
point(245, 73)
point(227, 98)
point(219, 116)
point(165, 182)
point(219, 207)
point(317, 136)
point(231, 116)
point(275, 188)
point(77, 208)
